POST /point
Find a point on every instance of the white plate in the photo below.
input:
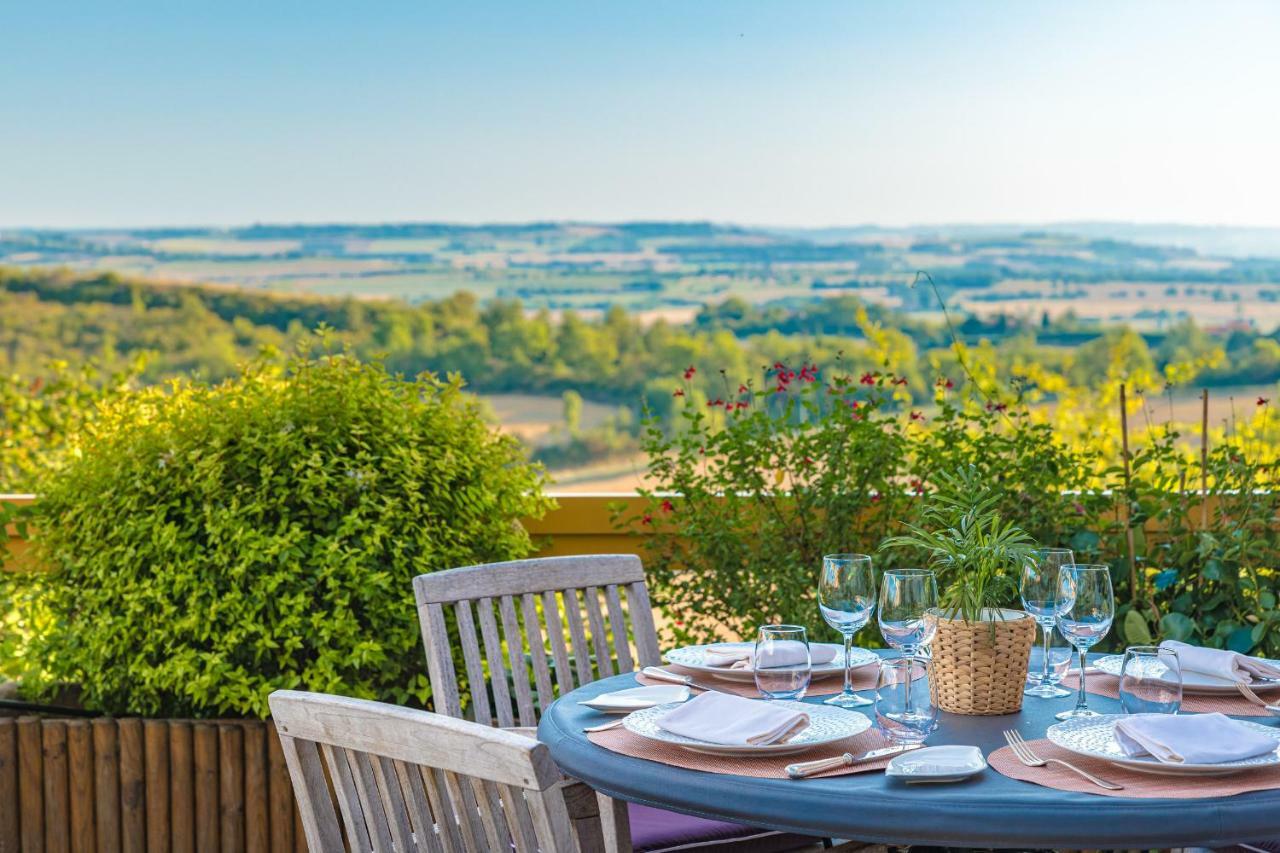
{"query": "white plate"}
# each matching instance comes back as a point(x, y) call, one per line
point(695, 658)
point(1195, 682)
point(937, 764)
point(826, 725)
point(1095, 737)
point(638, 698)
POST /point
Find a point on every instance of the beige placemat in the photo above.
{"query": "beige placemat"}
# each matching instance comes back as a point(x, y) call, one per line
point(864, 678)
point(626, 743)
point(1136, 785)
point(1102, 684)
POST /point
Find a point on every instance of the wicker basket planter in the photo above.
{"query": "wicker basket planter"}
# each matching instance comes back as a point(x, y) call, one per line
point(980, 668)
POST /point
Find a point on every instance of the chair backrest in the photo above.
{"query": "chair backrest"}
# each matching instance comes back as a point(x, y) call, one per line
point(407, 780)
point(540, 606)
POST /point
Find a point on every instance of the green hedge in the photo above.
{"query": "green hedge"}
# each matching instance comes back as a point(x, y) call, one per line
point(214, 543)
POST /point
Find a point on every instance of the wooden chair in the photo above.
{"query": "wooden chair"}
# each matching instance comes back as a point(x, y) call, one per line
point(577, 619)
point(415, 782)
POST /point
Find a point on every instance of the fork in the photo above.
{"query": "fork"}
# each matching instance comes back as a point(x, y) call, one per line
point(1024, 753)
point(1255, 698)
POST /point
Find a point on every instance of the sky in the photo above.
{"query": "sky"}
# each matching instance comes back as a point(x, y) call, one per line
point(781, 113)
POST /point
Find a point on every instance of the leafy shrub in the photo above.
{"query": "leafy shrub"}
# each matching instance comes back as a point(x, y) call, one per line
point(211, 544)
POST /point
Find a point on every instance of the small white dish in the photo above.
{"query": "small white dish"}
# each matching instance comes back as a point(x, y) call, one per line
point(937, 764)
point(637, 698)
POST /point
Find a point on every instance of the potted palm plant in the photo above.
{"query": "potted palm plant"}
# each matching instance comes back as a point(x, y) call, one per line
point(981, 648)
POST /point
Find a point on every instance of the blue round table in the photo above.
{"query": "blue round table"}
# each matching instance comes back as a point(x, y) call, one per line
point(988, 810)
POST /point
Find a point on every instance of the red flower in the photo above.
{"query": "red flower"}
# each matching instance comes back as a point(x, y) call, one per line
point(648, 519)
point(854, 405)
point(743, 389)
point(689, 371)
point(875, 499)
point(715, 404)
point(808, 461)
point(917, 416)
point(917, 487)
point(779, 366)
point(809, 373)
point(781, 389)
point(901, 380)
point(668, 507)
point(742, 404)
point(1000, 407)
point(728, 407)
point(679, 392)
point(1262, 401)
point(868, 379)
point(944, 382)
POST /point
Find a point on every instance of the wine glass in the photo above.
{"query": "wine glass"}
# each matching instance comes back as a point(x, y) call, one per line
point(781, 662)
point(1039, 589)
point(847, 597)
point(905, 710)
point(1150, 681)
point(1086, 606)
point(906, 597)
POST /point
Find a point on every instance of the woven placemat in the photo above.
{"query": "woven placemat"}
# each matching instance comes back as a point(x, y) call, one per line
point(864, 678)
point(626, 743)
point(1136, 785)
point(1102, 684)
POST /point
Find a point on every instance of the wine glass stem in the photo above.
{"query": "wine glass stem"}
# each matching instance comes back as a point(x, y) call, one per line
point(1082, 703)
point(848, 661)
point(1046, 628)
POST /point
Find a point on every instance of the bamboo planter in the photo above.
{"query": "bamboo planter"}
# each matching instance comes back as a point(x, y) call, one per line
point(980, 668)
point(138, 785)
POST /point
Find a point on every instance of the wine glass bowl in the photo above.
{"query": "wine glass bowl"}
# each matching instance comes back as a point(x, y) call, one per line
point(1086, 607)
point(907, 597)
point(846, 599)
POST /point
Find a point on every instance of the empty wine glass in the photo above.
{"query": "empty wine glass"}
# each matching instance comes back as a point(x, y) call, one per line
point(781, 662)
point(906, 597)
point(1039, 589)
point(1150, 681)
point(905, 710)
point(1086, 606)
point(847, 597)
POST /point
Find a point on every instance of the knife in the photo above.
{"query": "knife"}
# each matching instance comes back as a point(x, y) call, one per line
point(675, 678)
point(805, 769)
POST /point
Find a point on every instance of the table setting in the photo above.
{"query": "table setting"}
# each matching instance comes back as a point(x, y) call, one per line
point(959, 711)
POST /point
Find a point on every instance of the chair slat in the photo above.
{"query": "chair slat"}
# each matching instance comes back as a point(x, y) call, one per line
point(515, 655)
point(537, 650)
point(551, 824)
point(517, 577)
point(420, 816)
point(464, 806)
point(446, 819)
point(577, 637)
point(599, 639)
point(497, 670)
point(344, 787)
point(370, 800)
point(319, 822)
point(519, 822)
point(490, 810)
point(555, 633)
point(618, 624)
point(476, 680)
point(642, 628)
point(444, 681)
point(393, 803)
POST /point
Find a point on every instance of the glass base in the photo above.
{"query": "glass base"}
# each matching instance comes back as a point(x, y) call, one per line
point(1046, 691)
point(848, 700)
point(1076, 714)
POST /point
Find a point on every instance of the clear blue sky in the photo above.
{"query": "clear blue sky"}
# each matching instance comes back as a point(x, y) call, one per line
point(167, 113)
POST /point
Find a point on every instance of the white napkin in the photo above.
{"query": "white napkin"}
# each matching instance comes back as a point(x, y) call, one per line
point(733, 720)
point(738, 655)
point(1220, 662)
point(1190, 739)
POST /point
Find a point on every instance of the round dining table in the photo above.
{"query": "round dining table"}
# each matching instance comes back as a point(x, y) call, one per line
point(987, 810)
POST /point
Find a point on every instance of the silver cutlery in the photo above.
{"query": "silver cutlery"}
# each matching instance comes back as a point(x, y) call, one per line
point(604, 727)
point(805, 769)
point(675, 678)
point(1024, 753)
point(1247, 693)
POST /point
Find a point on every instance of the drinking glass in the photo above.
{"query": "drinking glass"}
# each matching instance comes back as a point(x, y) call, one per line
point(904, 704)
point(1150, 681)
point(781, 662)
point(906, 597)
point(1039, 589)
point(1059, 659)
point(847, 597)
point(1086, 606)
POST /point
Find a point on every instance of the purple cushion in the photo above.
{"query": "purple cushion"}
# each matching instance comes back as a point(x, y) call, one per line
point(654, 829)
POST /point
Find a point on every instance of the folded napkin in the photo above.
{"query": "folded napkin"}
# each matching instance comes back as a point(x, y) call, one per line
point(1220, 662)
point(1190, 739)
point(733, 720)
point(738, 655)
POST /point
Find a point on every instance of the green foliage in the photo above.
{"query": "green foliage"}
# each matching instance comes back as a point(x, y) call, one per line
point(212, 543)
point(976, 554)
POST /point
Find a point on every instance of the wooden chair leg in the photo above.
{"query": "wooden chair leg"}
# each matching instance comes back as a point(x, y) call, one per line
point(616, 824)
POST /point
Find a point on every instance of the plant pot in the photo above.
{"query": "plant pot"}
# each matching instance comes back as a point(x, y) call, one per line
point(980, 668)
